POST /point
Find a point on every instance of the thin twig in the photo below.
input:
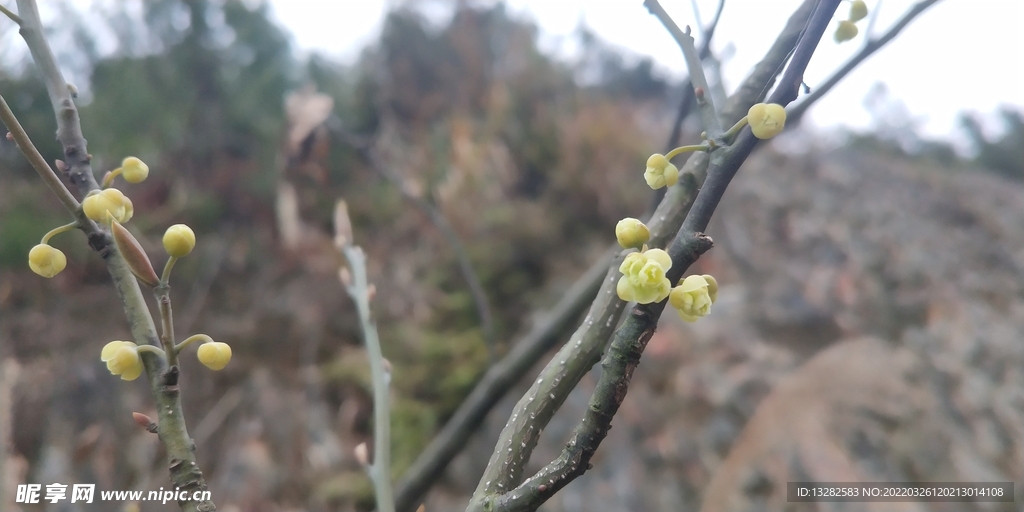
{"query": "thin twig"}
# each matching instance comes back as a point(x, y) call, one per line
point(621, 359)
point(708, 114)
point(163, 379)
point(795, 114)
point(359, 289)
point(432, 461)
point(618, 365)
point(10, 14)
point(686, 103)
point(9, 369)
point(69, 127)
point(35, 158)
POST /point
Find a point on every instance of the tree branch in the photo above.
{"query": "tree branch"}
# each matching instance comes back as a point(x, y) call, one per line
point(686, 103)
point(359, 289)
point(618, 365)
point(871, 45)
point(530, 348)
point(632, 337)
point(708, 114)
point(163, 380)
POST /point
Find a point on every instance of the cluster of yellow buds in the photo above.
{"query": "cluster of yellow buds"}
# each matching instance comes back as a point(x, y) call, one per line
point(123, 357)
point(766, 120)
point(644, 277)
point(108, 206)
point(847, 28)
point(693, 297)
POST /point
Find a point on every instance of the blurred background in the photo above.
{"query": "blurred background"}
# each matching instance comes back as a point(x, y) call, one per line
point(868, 328)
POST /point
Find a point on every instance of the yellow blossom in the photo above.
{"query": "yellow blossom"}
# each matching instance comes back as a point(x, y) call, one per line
point(643, 277)
point(122, 358)
point(108, 202)
point(46, 260)
point(694, 296)
point(660, 172)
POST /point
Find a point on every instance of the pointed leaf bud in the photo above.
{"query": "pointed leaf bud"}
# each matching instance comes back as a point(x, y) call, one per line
point(342, 225)
point(133, 254)
point(362, 454)
point(145, 422)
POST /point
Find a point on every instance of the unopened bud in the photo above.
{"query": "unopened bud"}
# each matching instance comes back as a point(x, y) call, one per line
point(345, 276)
point(371, 292)
point(145, 422)
point(845, 31)
point(342, 225)
point(362, 454)
point(134, 255)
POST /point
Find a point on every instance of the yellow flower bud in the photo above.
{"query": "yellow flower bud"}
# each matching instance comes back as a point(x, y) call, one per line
point(693, 297)
point(134, 170)
point(46, 260)
point(643, 277)
point(766, 120)
point(214, 355)
point(179, 240)
point(660, 172)
point(631, 233)
point(858, 10)
point(98, 205)
point(845, 31)
point(122, 358)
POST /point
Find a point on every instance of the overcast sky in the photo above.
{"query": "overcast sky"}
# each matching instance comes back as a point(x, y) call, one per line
point(959, 55)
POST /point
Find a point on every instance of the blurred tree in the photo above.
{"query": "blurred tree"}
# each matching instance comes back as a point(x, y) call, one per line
point(1003, 154)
